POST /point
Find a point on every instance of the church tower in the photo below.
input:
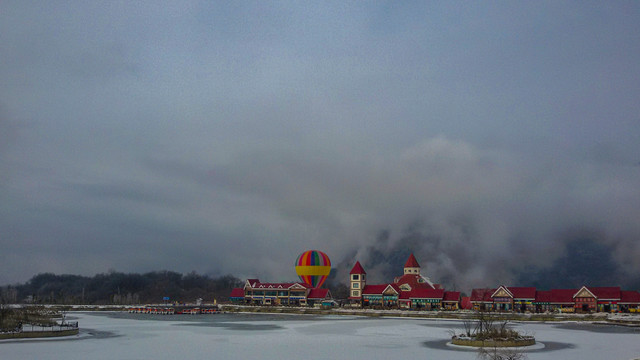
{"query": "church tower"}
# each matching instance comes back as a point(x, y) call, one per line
point(411, 266)
point(357, 281)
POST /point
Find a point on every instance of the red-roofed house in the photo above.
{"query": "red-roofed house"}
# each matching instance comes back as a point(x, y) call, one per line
point(380, 295)
point(562, 300)
point(451, 300)
point(542, 302)
point(512, 298)
point(259, 293)
point(481, 299)
point(589, 299)
point(502, 299)
point(411, 278)
point(629, 301)
point(409, 290)
point(555, 299)
point(237, 295)
point(317, 296)
point(562, 296)
point(427, 299)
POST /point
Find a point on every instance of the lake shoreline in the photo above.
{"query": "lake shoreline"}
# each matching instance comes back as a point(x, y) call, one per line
point(628, 320)
point(619, 319)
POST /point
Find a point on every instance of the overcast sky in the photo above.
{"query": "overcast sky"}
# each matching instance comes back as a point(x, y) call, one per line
point(228, 137)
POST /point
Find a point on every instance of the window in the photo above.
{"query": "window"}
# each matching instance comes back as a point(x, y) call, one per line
point(355, 285)
point(355, 293)
point(355, 277)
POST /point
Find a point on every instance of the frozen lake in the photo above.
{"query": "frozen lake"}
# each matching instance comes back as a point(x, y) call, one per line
point(263, 336)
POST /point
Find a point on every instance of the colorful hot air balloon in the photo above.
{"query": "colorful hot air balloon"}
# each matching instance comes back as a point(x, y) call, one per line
point(313, 267)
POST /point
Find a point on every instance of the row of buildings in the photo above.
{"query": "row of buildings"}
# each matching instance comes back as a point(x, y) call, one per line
point(255, 292)
point(412, 290)
point(583, 300)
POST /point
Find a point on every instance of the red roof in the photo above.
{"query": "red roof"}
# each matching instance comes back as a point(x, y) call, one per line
point(256, 284)
point(451, 296)
point(395, 287)
point(318, 293)
point(523, 292)
point(482, 294)
point(378, 289)
point(237, 293)
point(412, 262)
point(606, 293)
point(629, 297)
point(414, 280)
point(357, 269)
point(518, 292)
point(562, 295)
point(423, 294)
point(374, 289)
point(273, 285)
point(543, 296)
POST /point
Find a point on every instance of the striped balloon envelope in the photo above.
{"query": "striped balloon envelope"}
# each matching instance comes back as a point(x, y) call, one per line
point(313, 267)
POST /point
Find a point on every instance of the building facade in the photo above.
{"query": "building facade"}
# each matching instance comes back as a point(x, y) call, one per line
point(255, 292)
point(528, 299)
point(357, 281)
point(412, 290)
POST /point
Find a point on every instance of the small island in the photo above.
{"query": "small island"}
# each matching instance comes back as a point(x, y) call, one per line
point(485, 331)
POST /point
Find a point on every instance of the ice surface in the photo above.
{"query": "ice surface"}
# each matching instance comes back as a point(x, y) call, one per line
point(237, 336)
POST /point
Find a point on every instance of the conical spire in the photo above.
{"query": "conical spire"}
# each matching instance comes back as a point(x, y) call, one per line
point(357, 269)
point(412, 262)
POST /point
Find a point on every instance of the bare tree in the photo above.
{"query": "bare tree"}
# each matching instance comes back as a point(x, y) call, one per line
point(468, 326)
point(4, 311)
point(484, 323)
point(496, 353)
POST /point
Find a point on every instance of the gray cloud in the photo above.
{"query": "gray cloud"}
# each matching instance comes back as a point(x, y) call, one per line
point(228, 139)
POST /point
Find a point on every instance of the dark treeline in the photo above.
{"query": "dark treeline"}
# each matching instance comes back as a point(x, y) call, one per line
point(119, 288)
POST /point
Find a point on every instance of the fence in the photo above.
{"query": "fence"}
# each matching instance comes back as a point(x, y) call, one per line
point(34, 330)
point(57, 327)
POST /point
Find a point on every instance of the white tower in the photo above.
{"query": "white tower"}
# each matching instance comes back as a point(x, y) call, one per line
point(357, 281)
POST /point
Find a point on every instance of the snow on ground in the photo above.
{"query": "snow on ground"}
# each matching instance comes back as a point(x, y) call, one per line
point(263, 336)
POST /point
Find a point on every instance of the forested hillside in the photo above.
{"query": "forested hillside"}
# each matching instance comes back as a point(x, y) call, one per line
point(119, 288)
